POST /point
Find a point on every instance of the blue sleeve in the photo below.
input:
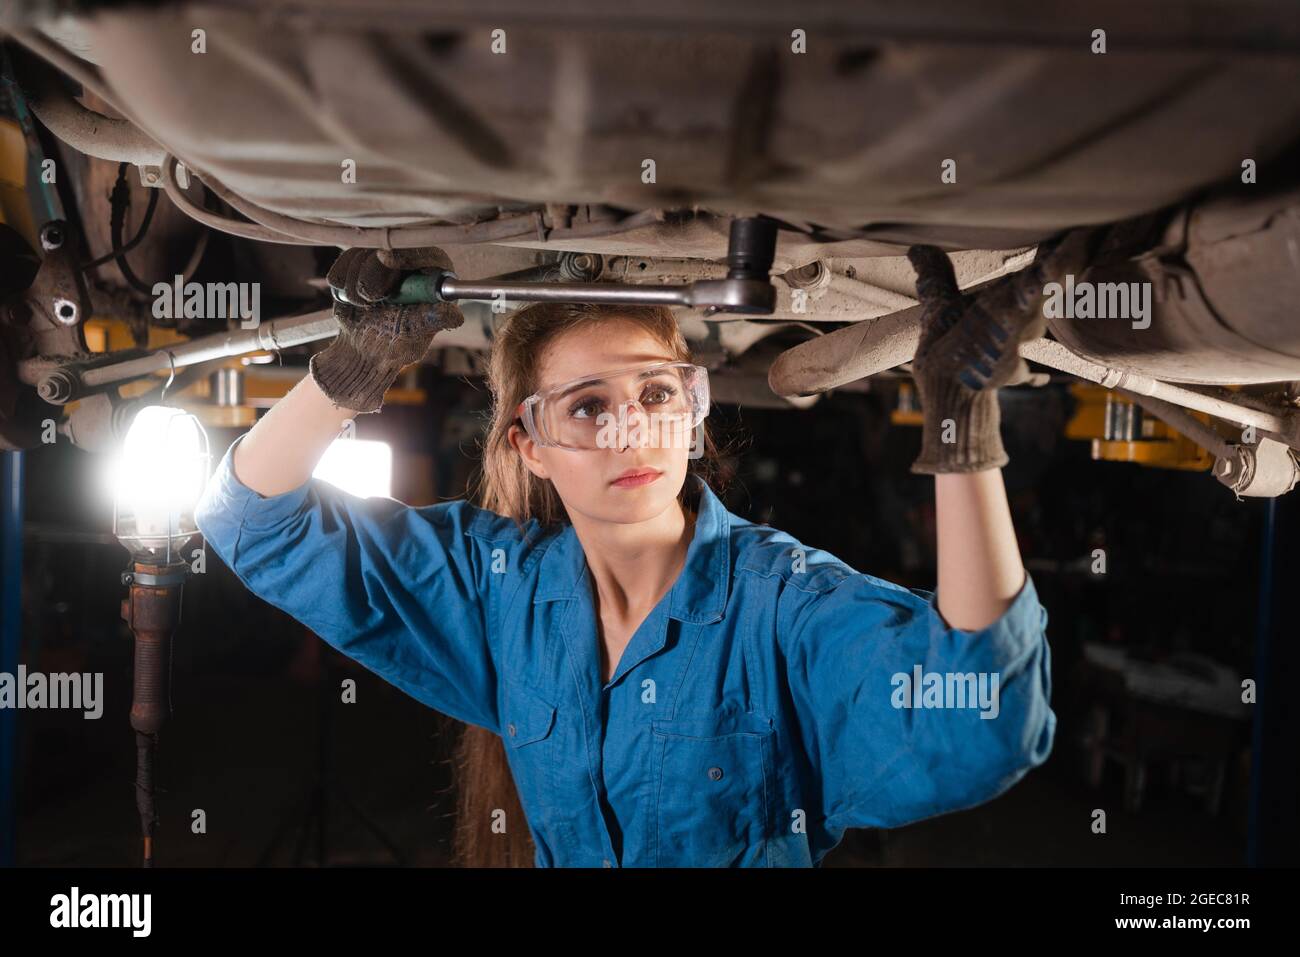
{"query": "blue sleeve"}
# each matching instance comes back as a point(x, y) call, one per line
point(404, 590)
point(979, 717)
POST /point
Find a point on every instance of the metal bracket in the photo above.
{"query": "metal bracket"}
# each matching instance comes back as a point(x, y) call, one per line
point(152, 176)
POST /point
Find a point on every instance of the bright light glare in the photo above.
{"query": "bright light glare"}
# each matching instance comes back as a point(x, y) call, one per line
point(158, 477)
point(360, 466)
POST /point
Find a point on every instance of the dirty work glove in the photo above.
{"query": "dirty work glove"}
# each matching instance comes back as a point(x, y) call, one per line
point(970, 346)
point(375, 342)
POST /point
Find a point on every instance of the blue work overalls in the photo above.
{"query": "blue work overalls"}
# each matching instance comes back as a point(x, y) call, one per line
point(774, 697)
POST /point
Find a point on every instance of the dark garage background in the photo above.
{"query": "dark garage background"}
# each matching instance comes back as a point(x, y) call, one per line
point(257, 712)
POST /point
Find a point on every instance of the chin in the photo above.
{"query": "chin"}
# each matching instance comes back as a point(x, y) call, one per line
point(628, 506)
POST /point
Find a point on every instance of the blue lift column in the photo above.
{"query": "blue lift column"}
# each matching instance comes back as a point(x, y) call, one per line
point(1274, 835)
point(11, 619)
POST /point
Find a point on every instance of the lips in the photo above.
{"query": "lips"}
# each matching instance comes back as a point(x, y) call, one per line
point(636, 477)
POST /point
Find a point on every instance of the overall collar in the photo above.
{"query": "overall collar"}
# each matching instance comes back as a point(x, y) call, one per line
point(700, 593)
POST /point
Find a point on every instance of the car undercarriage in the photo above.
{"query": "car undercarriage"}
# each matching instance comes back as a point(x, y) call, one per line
point(605, 149)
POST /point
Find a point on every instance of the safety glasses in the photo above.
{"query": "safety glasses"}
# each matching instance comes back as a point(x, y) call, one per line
point(656, 405)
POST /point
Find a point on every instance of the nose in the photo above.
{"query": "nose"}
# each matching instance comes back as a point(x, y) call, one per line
point(633, 432)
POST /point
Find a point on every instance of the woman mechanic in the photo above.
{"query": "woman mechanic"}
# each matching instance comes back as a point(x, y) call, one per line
point(648, 679)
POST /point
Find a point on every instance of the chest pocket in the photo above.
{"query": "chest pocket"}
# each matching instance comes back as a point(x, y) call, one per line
point(527, 730)
point(713, 789)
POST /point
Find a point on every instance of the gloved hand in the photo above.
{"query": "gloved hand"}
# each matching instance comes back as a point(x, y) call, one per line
point(376, 342)
point(970, 346)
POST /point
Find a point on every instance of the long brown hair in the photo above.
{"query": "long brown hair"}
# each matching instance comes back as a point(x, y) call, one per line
point(482, 775)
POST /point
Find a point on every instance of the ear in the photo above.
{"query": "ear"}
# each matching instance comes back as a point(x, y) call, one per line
point(527, 449)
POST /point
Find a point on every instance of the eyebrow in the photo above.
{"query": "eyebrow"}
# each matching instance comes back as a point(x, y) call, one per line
point(647, 374)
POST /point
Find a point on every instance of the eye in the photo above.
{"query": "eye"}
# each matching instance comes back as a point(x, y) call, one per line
point(658, 393)
point(586, 407)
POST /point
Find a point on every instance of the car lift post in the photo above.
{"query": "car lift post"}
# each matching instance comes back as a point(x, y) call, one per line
point(11, 619)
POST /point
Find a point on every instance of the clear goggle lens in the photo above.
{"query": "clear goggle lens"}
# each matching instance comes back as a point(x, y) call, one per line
point(656, 406)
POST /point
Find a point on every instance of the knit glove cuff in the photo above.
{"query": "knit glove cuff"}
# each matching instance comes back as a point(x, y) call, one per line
point(960, 430)
point(374, 344)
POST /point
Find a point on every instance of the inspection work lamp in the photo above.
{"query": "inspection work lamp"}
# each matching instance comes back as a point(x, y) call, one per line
point(157, 478)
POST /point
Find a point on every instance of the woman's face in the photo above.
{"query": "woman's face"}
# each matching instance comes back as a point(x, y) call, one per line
point(585, 480)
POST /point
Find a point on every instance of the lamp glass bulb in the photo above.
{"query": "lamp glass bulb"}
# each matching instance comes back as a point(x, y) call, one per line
point(158, 478)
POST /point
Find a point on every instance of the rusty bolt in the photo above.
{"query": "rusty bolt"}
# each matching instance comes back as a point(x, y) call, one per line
point(56, 388)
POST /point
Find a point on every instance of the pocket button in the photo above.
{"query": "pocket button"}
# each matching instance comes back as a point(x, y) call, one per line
point(529, 716)
point(729, 825)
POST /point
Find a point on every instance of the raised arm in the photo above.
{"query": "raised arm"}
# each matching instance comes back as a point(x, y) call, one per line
point(980, 569)
point(408, 592)
point(970, 347)
point(912, 703)
point(902, 716)
point(349, 377)
point(282, 450)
